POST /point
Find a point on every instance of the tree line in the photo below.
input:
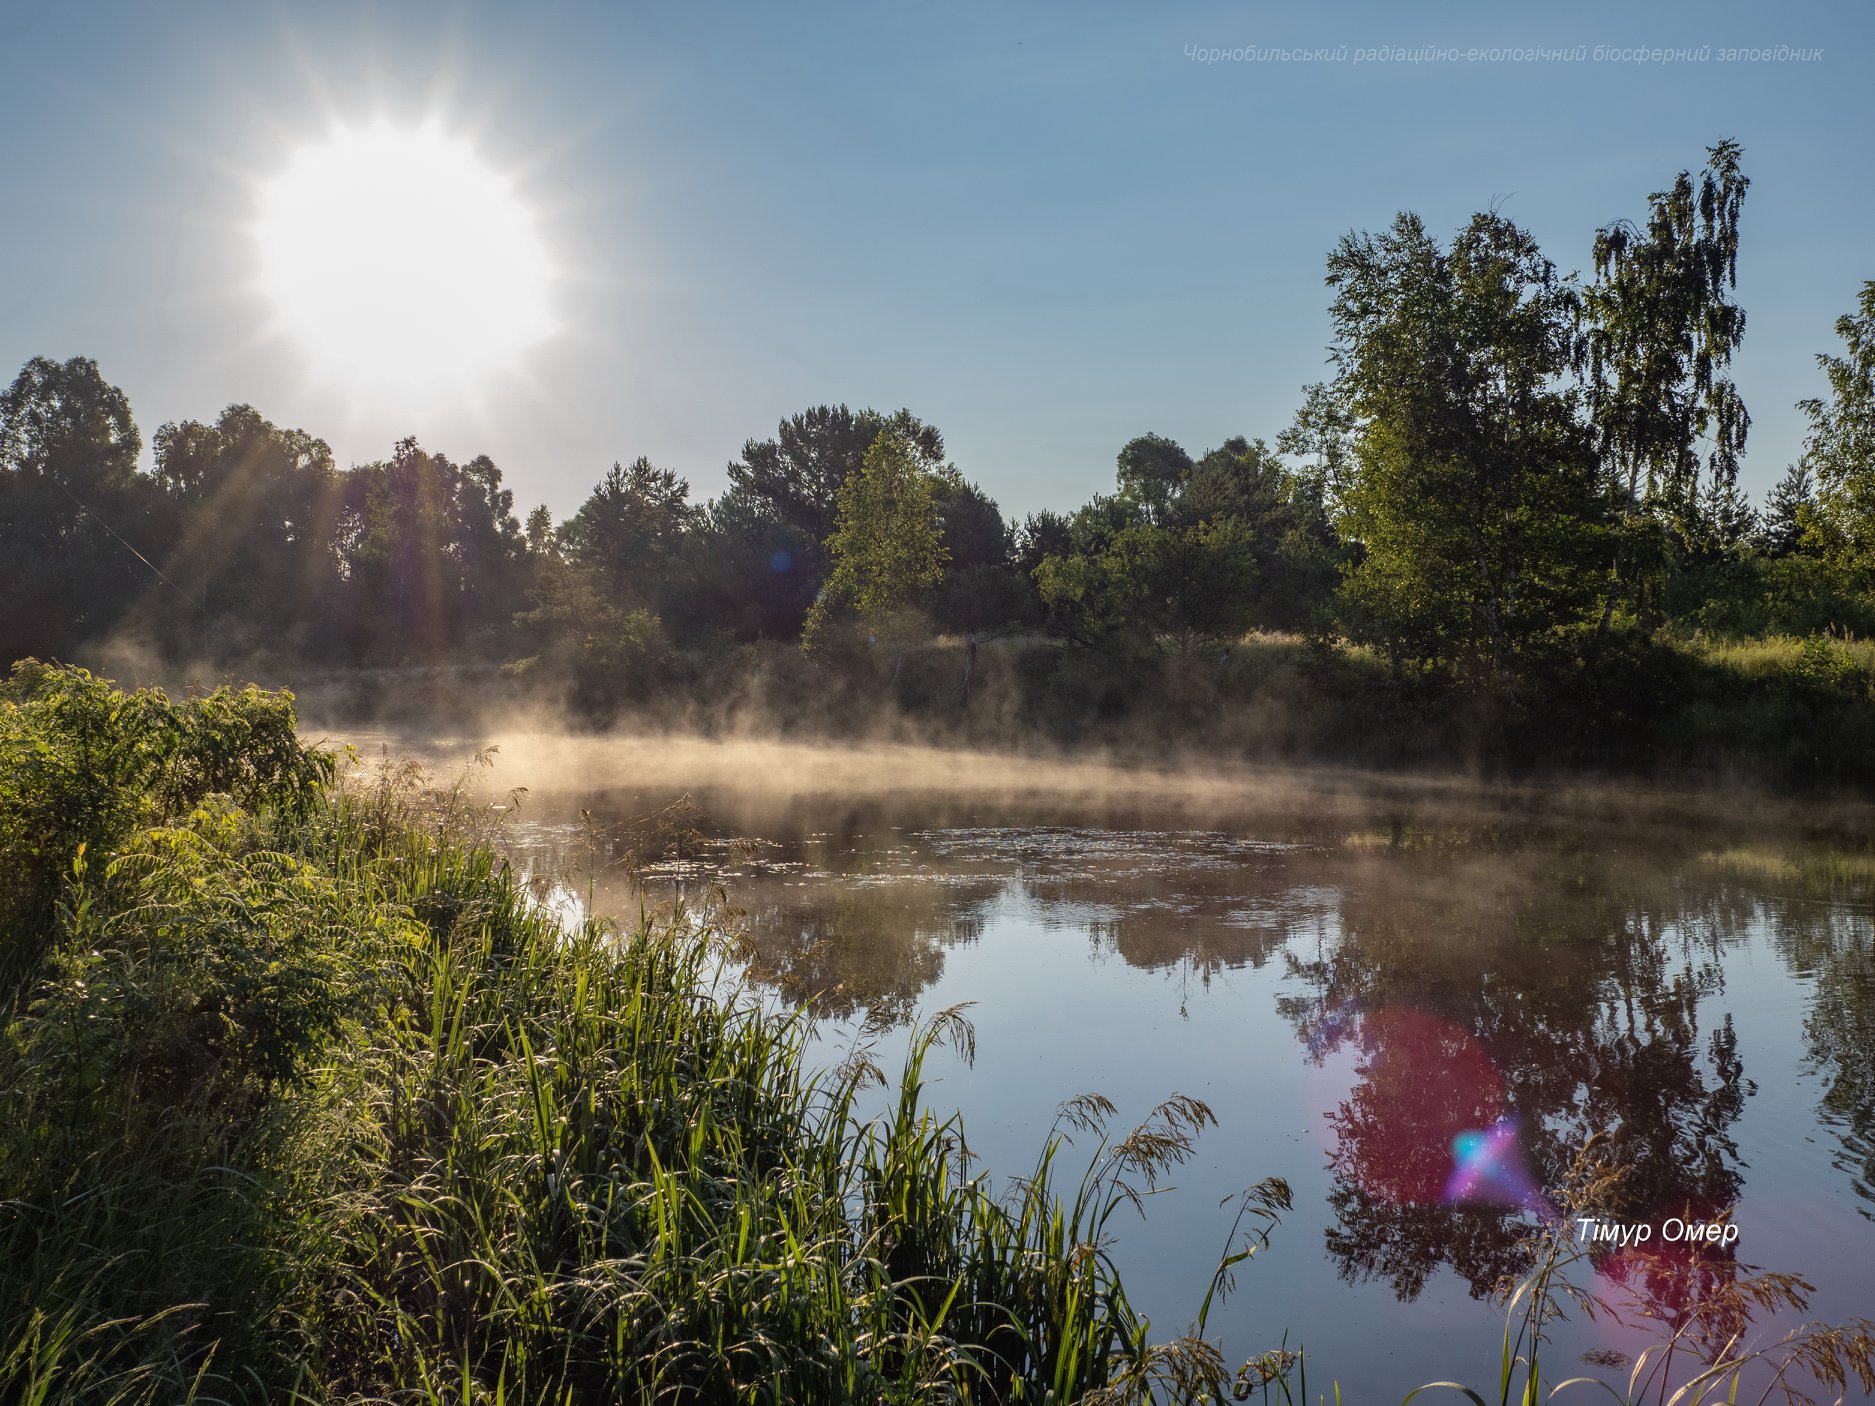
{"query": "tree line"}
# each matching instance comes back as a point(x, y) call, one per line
point(1510, 473)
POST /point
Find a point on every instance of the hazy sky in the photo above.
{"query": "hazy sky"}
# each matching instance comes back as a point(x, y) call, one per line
point(1045, 229)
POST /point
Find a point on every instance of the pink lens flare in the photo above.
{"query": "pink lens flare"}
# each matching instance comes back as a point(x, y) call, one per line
point(1428, 1120)
point(1488, 1170)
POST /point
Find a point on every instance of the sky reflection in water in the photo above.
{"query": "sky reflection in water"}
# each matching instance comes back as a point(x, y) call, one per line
point(1417, 1024)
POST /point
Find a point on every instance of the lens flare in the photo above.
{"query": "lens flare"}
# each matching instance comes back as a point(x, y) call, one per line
point(1488, 1170)
point(1429, 1120)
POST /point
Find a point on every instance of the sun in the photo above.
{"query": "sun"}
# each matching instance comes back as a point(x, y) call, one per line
point(401, 262)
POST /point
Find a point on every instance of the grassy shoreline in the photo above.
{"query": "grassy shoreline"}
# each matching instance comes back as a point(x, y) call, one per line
point(1785, 714)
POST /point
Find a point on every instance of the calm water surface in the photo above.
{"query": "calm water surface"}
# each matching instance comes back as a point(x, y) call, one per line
point(1363, 980)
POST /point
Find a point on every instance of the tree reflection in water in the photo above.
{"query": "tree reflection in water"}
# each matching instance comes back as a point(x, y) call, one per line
point(867, 947)
point(1832, 945)
point(1554, 990)
point(1482, 985)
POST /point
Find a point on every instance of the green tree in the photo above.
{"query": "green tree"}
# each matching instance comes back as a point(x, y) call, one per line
point(981, 590)
point(1839, 451)
point(1787, 515)
point(252, 513)
point(632, 530)
point(63, 423)
point(72, 507)
point(1658, 332)
point(435, 555)
point(1472, 497)
point(887, 546)
point(602, 584)
point(1151, 470)
point(763, 543)
point(1282, 519)
point(1323, 435)
point(1168, 562)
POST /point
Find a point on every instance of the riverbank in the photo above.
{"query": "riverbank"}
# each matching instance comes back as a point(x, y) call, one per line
point(1780, 714)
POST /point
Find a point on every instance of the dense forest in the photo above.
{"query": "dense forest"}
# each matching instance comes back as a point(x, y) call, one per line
point(1508, 529)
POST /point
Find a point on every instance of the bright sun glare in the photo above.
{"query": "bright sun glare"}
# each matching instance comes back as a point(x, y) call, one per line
point(402, 262)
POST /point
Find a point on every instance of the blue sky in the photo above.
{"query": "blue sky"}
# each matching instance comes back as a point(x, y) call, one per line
point(1043, 228)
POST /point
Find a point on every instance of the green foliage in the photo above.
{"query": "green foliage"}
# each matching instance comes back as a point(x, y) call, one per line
point(251, 517)
point(436, 555)
point(602, 654)
point(305, 1097)
point(189, 973)
point(1840, 451)
point(66, 425)
point(1192, 587)
point(887, 547)
point(68, 457)
point(599, 590)
point(631, 531)
point(1188, 555)
point(314, 1102)
point(1472, 494)
point(83, 765)
point(1151, 469)
point(1322, 431)
point(1512, 475)
point(1785, 522)
point(797, 475)
point(1659, 330)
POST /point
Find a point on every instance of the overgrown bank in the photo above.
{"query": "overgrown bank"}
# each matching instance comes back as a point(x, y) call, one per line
point(1783, 712)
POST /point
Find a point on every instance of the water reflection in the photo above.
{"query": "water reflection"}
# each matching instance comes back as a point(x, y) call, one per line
point(869, 946)
point(1467, 1006)
point(1832, 946)
point(1557, 990)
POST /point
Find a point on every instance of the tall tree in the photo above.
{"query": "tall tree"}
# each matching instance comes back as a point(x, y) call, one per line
point(1840, 448)
point(435, 555)
point(767, 555)
point(1787, 512)
point(602, 587)
point(631, 531)
point(1151, 469)
point(1472, 496)
point(251, 512)
point(887, 545)
point(981, 590)
point(73, 543)
point(797, 474)
point(1659, 328)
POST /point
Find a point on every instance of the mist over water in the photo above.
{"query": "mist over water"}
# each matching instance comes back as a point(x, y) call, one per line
point(1368, 978)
